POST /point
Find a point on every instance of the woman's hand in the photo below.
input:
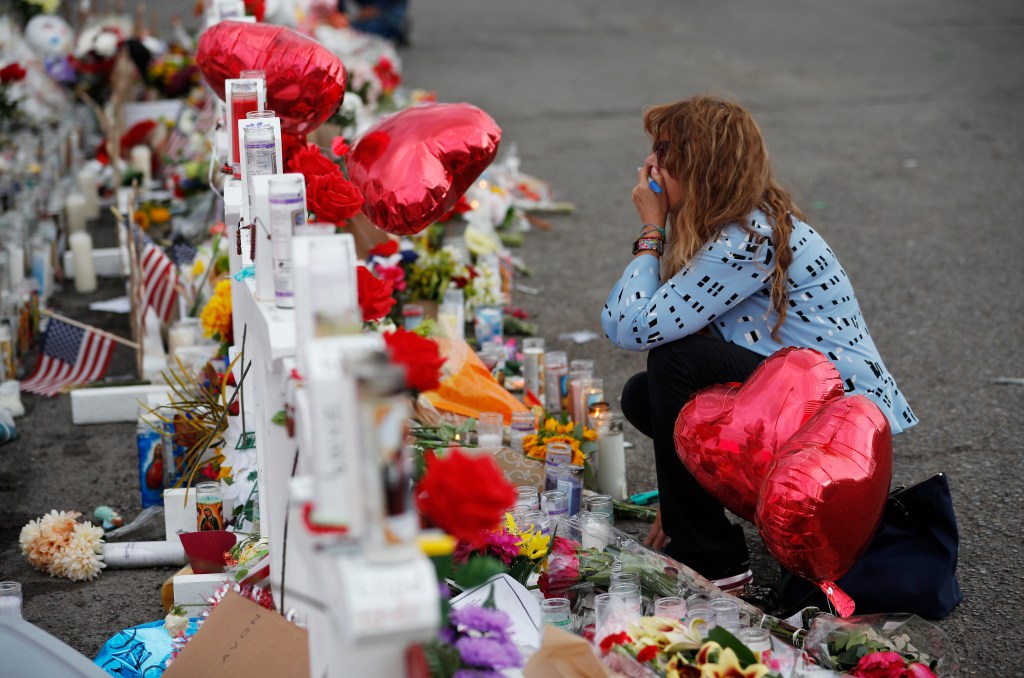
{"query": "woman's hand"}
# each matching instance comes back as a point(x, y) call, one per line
point(652, 207)
point(656, 537)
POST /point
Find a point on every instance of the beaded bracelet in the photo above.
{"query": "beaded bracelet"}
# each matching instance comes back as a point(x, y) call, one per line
point(660, 230)
point(648, 245)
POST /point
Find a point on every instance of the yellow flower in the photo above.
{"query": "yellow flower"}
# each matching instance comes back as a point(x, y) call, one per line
point(533, 545)
point(551, 425)
point(216, 315)
point(510, 524)
point(198, 268)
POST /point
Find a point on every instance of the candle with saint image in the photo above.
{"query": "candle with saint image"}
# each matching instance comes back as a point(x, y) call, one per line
point(81, 257)
point(76, 211)
point(142, 161)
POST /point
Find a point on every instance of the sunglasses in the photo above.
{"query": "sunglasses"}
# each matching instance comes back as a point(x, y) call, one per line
point(661, 151)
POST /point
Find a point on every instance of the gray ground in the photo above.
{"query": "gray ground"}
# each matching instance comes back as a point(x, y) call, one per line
point(898, 126)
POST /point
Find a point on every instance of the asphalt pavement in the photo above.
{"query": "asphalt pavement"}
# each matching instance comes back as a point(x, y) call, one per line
point(897, 127)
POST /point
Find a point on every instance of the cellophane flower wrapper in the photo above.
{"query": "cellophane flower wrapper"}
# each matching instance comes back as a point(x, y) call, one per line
point(911, 636)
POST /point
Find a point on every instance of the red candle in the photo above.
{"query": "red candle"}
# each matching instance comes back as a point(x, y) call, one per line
point(241, 103)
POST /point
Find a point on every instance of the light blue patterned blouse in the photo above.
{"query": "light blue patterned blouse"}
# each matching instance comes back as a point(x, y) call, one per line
point(726, 287)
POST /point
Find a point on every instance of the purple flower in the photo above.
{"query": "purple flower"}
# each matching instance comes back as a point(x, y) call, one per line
point(478, 673)
point(488, 653)
point(443, 589)
point(482, 619)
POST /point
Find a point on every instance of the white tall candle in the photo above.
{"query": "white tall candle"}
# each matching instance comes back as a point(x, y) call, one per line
point(81, 256)
point(180, 335)
point(88, 184)
point(76, 211)
point(611, 458)
point(142, 160)
point(16, 265)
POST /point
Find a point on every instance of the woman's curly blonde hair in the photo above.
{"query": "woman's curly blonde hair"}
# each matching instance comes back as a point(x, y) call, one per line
point(718, 156)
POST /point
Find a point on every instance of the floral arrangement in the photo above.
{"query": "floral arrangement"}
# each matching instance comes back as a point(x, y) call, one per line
point(58, 544)
point(580, 438)
point(476, 642)
point(174, 74)
point(571, 566)
point(216, 316)
point(521, 551)
point(246, 555)
point(329, 195)
point(10, 74)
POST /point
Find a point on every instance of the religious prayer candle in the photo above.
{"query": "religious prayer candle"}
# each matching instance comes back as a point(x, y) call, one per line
point(209, 507)
point(244, 98)
point(81, 257)
point(556, 369)
point(76, 212)
point(287, 212)
point(88, 186)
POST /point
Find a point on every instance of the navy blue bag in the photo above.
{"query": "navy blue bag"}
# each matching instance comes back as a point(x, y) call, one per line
point(910, 564)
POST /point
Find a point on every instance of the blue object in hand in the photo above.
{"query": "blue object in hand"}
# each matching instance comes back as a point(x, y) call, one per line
point(654, 185)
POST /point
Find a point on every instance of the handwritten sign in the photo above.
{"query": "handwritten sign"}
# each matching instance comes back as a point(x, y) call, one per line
point(240, 638)
point(383, 599)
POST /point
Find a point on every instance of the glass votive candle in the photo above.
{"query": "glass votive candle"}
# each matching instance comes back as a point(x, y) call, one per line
point(209, 507)
point(725, 609)
point(527, 497)
point(625, 578)
point(611, 614)
point(556, 455)
point(555, 503)
point(601, 503)
point(702, 618)
point(670, 607)
point(412, 316)
point(555, 611)
point(698, 600)
point(758, 640)
point(732, 627)
point(523, 424)
point(533, 521)
point(488, 429)
point(10, 599)
point(628, 593)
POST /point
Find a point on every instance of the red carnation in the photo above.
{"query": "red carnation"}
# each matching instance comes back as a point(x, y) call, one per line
point(384, 249)
point(12, 73)
point(332, 197)
point(464, 496)
point(311, 162)
point(375, 300)
point(419, 355)
point(647, 654)
point(614, 639)
point(389, 78)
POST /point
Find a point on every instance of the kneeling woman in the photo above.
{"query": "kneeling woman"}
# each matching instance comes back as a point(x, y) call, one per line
point(734, 276)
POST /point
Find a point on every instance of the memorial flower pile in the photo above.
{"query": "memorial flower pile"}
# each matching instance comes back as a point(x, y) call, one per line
point(520, 550)
point(61, 546)
point(580, 438)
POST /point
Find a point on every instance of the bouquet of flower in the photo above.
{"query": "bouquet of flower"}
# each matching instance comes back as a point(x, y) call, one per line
point(63, 547)
point(520, 550)
point(580, 438)
point(652, 646)
point(475, 642)
point(881, 646)
point(570, 566)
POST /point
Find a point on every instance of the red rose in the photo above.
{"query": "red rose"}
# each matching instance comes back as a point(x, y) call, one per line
point(339, 147)
point(419, 355)
point(257, 8)
point(880, 665)
point(332, 197)
point(464, 496)
point(375, 298)
point(12, 73)
point(311, 162)
point(385, 71)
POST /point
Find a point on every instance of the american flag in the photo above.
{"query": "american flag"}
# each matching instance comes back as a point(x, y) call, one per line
point(159, 276)
point(70, 355)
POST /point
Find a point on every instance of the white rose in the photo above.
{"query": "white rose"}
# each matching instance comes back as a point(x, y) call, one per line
point(175, 624)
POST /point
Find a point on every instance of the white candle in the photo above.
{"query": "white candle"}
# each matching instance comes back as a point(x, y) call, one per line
point(76, 211)
point(180, 335)
point(611, 458)
point(88, 185)
point(16, 268)
point(142, 160)
point(10, 606)
point(121, 555)
point(81, 256)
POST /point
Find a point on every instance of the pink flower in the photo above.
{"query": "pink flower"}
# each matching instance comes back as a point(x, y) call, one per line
point(396, 274)
point(889, 665)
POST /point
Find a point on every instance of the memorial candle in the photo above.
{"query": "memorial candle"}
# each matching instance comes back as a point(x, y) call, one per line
point(88, 186)
point(142, 161)
point(244, 99)
point(76, 212)
point(81, 256)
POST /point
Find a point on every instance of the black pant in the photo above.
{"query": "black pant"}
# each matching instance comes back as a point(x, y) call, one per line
point(702, 537)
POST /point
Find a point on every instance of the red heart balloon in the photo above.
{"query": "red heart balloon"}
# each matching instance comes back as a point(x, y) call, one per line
point(727, 436)
point(413, 166)
point(823, 496)
point(305, 81)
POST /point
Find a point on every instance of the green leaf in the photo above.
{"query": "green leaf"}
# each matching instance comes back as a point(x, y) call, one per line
point(478, 570)
point(253, 476)
point(726, 639)
point(278, 418)
point(442, 660)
